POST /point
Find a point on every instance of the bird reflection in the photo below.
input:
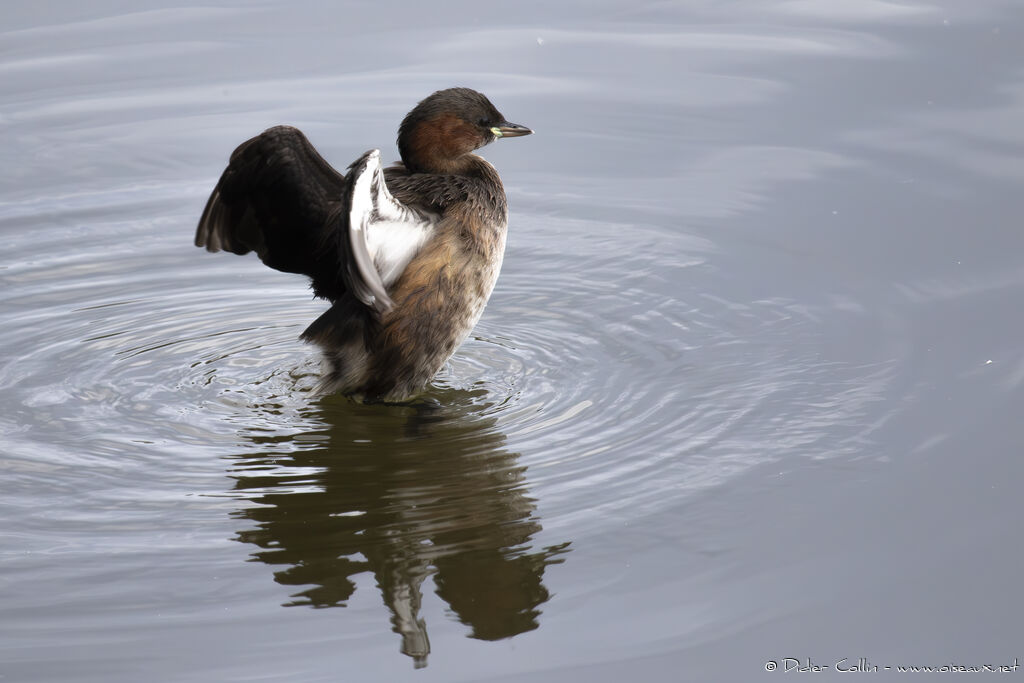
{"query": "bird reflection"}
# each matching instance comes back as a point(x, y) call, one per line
point(404, 492)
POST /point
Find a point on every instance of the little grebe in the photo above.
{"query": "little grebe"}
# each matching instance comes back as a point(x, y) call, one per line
point(407, 255)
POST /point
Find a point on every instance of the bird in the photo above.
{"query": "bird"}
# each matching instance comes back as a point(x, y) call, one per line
point(407, 255)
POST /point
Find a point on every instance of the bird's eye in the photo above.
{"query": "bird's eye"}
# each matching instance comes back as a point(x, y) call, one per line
point(482, 123)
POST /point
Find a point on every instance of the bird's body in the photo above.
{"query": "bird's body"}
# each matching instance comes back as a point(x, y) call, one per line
point(407, 256)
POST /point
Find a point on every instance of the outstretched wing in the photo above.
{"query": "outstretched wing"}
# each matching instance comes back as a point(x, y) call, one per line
point(279, 198)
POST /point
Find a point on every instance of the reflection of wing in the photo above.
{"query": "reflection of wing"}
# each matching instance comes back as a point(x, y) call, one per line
point(279, 198)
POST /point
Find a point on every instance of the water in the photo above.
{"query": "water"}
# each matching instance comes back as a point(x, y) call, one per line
point(747, 390)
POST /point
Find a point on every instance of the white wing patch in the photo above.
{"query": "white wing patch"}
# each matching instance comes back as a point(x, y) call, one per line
point(384, 234)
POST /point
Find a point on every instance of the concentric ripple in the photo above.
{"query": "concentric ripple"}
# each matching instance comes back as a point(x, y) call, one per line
point(618, 382)
point(588, 397)
point(628, 387)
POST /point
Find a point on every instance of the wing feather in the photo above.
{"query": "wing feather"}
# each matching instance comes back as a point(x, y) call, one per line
point(280, 198)
point(384, 234)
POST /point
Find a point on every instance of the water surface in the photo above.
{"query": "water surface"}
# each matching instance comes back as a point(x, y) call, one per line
point(747, 390)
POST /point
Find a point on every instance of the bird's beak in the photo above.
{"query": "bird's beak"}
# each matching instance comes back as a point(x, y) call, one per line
point(509, 130)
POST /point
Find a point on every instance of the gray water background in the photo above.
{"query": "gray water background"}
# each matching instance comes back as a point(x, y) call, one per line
point(749, 387)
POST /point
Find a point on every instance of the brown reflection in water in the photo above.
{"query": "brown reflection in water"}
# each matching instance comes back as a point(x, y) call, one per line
point(403, 492)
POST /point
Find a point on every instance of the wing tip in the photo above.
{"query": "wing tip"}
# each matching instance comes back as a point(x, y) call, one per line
point(383, 304)
point(207, 234)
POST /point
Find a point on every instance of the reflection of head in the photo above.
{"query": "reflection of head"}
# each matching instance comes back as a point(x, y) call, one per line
point(404, 492)
point(495, 593)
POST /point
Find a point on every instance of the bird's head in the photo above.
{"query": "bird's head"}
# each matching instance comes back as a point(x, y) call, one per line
point(446, 126)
